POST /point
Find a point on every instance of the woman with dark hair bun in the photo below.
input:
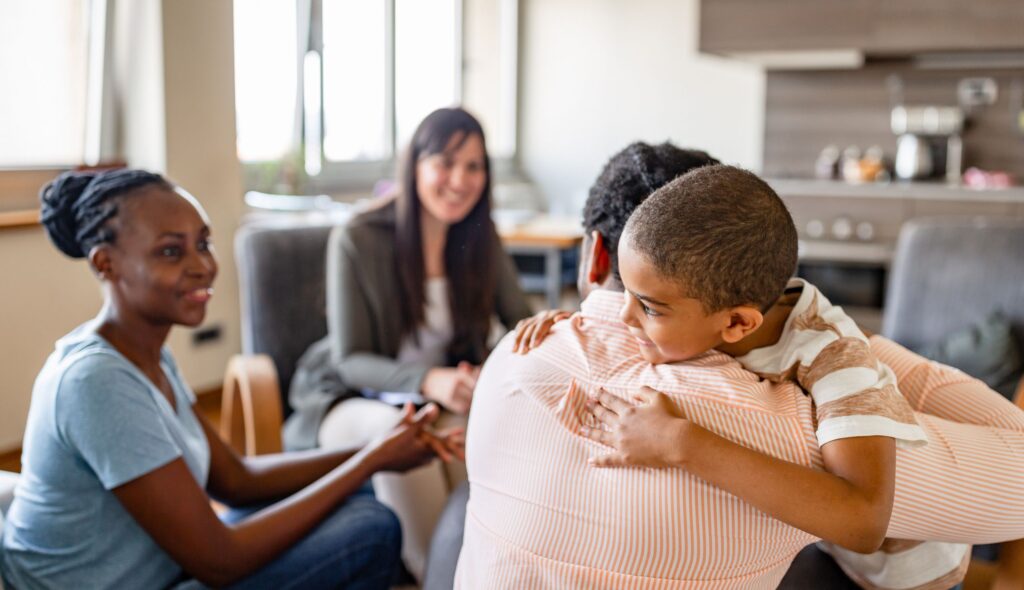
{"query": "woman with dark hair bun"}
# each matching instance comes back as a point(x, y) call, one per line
point(413, 286)
point(119, 468)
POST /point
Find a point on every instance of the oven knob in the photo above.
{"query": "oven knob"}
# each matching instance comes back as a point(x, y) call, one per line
point(866, 231)
point(815, 229)
point(842, 228)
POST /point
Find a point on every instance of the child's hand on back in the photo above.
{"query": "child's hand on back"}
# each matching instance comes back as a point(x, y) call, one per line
point(652, 433)
point(532, 331)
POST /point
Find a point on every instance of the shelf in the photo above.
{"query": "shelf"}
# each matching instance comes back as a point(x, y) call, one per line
point(849, 252)
point(15, 219)
point(893, 190)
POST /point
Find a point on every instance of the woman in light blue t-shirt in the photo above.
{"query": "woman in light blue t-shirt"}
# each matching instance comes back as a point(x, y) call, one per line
point(119, 469)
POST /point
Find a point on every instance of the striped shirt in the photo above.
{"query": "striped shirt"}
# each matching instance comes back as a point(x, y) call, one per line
point(943, 392)
point(855, 394)
point(824, 351)
point(540, 517)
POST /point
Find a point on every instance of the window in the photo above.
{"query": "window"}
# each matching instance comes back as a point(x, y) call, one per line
point(355, 90)
point(266, 75)
point(45, 93)
point(427, 61)
point(330, 91)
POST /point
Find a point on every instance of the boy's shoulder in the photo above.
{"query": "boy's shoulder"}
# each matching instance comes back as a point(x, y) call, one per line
point(813, 329)
point(813, 313)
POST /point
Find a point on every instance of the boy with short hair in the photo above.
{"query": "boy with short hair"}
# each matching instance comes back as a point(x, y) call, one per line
point(722, 239)
point(706, 262)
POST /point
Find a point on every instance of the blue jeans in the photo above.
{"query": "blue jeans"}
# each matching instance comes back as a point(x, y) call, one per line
point(357, 547)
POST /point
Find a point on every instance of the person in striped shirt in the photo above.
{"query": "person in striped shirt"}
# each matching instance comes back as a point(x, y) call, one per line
point(801, 337)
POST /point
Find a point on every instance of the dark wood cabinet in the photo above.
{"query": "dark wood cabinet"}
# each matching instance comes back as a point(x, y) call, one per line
point(783, 25)
point(884, 27)
point(906, 26)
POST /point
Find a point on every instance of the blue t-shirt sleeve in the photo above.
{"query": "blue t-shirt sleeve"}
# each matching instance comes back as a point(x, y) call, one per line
point(106, 415)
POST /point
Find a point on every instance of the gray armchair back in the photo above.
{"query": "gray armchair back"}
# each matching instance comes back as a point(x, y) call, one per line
point(948, 273)
point(281, 274)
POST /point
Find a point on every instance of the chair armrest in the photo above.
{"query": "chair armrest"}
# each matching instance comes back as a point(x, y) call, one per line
point(7, 482)
point(250, 419)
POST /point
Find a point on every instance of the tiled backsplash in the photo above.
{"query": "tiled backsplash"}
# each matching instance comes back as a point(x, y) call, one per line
point(808, 110)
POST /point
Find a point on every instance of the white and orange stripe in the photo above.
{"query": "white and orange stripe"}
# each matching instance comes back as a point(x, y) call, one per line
point(540, 517)
point(827, 354)
point(975, 425)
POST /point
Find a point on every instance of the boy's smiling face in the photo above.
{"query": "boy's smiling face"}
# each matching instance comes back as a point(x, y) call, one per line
point(668, 325)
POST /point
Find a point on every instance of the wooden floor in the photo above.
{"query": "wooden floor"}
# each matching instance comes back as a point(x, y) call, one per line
point(11, 461)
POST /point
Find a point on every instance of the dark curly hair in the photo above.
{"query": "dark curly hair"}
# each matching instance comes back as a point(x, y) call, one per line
point(720, 232)
point(628, 178)
point(76, 206)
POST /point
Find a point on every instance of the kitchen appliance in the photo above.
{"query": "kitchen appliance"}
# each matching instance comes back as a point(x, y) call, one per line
point(929, 143)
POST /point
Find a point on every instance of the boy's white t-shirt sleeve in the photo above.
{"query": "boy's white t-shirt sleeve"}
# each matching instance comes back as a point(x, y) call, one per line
point(827, 354)
point(858, 399)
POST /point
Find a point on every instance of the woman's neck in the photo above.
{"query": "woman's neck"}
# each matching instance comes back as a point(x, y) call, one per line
point(138, 340)
point(434, 234)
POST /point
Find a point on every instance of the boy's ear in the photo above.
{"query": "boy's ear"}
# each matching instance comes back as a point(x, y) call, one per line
point(743, 321)
point(600, 260)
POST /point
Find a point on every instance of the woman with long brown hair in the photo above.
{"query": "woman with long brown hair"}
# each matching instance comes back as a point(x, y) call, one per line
point(413, 285)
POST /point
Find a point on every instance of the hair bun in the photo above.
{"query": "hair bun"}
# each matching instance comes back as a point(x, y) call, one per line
point(57, 210)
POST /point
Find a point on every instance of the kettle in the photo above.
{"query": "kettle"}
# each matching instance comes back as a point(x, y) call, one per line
point(913, 157)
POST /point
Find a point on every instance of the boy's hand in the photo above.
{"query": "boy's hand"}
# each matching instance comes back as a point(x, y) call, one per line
point(650, 434)
point(532, 331)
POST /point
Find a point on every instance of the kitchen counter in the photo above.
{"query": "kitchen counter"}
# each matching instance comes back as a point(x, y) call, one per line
point(860, 223)
point(896, 190)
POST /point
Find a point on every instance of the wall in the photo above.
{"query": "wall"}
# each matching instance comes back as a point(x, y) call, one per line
point(481, 79)
point(199, 125)
point(806, 111)
point(598, 74)
point(42, 296)
point(175, 76)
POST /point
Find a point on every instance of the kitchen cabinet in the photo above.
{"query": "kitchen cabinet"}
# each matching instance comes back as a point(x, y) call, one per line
point(728, 26)
point(851, 267)
point(860, 223)
point(863, 220)
point(935, 208)
point(880, 27)
point(947, 25)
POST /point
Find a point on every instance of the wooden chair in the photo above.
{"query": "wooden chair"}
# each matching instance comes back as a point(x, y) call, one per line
point(250, 418)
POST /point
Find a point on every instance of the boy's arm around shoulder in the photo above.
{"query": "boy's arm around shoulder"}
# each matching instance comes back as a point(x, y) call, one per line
point(849, 505)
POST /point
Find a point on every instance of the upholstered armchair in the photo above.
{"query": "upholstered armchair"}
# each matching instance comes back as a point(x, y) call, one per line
point(281, 273)
point(956, 294)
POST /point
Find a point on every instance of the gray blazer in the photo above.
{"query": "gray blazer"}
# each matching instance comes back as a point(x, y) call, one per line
point(364, 335)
